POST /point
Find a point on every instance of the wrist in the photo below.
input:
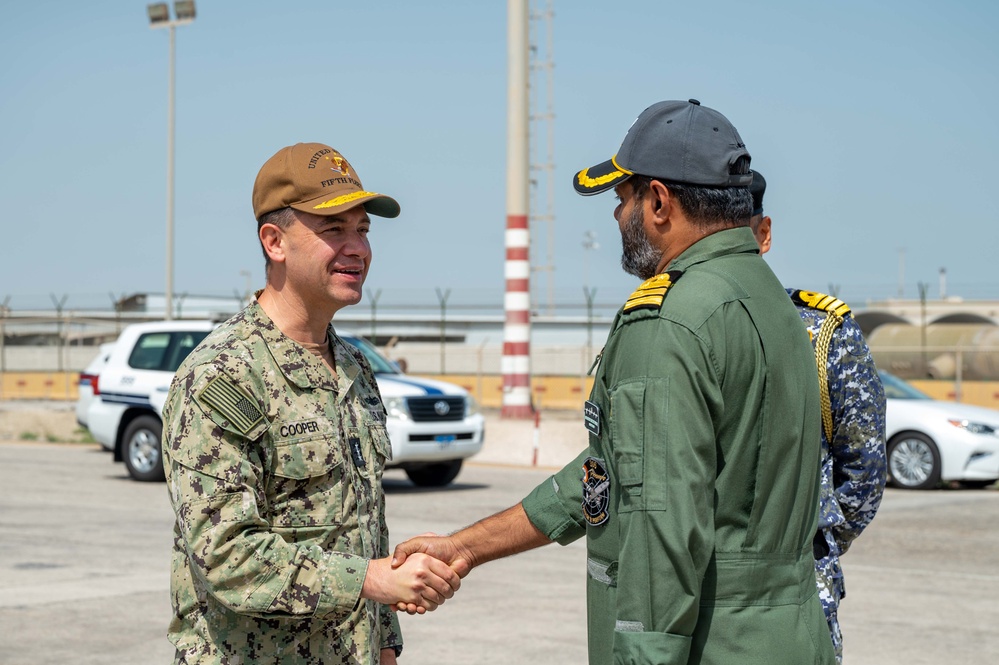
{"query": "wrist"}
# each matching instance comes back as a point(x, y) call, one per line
point(373, 587)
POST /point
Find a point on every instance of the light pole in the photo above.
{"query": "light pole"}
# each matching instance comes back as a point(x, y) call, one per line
point(589, 243)
point(159, 17)
point(249, 286)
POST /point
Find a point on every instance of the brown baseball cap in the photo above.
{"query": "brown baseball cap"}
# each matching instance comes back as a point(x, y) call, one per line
point(314, 178)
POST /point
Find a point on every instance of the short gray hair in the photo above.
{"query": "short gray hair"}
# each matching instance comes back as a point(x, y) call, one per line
point(281, 218)
point(707, 207)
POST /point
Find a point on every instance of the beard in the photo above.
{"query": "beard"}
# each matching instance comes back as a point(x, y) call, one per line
point(638, 256)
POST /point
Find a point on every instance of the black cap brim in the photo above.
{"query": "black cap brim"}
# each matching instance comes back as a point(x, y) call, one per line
point(599, 178)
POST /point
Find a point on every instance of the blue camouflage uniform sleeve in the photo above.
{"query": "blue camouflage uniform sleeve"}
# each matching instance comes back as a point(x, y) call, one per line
point(858, 444)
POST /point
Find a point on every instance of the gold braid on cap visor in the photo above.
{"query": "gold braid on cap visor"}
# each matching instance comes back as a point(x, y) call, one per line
point(586, 181)
point(346, 198)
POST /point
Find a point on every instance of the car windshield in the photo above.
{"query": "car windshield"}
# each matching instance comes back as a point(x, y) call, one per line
point(379, 363)
point(896, 388)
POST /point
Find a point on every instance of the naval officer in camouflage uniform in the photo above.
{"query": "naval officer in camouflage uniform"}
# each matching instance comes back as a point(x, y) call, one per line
point(697, 495)
point(274, 443)
point(853, 469)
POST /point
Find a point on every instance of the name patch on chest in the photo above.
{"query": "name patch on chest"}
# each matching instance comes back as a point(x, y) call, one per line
point(292, 430)
point(596, 492)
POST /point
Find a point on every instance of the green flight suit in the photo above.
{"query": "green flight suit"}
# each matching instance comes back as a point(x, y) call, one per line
point(701, 492)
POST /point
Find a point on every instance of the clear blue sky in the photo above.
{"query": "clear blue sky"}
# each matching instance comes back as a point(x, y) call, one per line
point(874, 124)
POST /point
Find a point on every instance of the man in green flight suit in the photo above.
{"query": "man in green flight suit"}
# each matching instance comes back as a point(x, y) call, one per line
point(698, 492)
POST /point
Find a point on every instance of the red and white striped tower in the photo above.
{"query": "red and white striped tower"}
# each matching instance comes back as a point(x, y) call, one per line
point(516, 364)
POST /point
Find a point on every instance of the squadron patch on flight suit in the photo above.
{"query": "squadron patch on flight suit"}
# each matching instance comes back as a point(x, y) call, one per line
point(652, 291)
point(596, 492)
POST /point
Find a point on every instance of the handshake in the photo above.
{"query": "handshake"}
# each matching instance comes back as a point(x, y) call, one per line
point(427, 570)
point(421, 574)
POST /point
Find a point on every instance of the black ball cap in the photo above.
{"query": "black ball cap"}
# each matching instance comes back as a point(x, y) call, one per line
point(694, 101)
point(757, 188)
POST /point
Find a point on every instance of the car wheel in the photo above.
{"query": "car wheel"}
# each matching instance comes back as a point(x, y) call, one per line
point(434, 475)
point(141, 449)
point(913, 462)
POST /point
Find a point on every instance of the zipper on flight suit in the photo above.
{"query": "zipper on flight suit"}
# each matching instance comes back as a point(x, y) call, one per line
point(596, 361)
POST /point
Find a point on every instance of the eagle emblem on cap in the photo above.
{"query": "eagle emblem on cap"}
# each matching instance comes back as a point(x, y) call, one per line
point(339, 165)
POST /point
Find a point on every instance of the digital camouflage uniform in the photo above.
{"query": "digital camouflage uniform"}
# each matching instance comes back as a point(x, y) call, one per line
point(853, 467)
point(698, 494)
point(274, 469)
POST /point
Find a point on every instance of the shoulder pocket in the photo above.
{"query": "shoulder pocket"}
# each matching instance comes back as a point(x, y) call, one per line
point(380, 441)
point(627, 423)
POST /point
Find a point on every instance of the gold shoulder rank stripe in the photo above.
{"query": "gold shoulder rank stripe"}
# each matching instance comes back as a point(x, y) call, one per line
point(652, 292)
point(821, 301)
point(231, 403)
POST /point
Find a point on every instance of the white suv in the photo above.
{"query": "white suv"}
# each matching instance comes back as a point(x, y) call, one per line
point(131, 389)
point(433, 426)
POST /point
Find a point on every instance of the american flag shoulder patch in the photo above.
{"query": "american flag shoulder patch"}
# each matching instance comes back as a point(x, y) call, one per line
point(226, 398)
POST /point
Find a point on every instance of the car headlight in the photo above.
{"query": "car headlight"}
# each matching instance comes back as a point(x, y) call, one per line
point(471, 406)
point(974, 428)
point(396, 407)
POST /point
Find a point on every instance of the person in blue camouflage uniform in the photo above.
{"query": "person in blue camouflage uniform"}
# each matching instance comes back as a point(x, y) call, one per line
point(274, 443)
point(853, 467)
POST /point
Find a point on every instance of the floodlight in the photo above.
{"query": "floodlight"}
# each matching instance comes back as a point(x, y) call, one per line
point(184, 9)
point(158, 12)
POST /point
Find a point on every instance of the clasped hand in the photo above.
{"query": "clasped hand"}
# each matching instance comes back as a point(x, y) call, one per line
point(440, 549)
point(421, 582)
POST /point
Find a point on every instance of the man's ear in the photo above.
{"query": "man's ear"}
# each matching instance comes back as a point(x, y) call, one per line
point(272, 240)
point(659, 200)
point(762, 234)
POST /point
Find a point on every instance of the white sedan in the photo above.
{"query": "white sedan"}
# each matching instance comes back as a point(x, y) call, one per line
point(930, 441)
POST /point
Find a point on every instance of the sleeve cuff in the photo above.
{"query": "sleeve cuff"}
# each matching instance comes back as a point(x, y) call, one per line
point(645, 648)
point(391, 632)
point(549, 513)
point(343, 579)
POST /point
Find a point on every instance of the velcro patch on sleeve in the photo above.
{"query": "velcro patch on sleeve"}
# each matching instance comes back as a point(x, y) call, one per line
point(226, 399)
point(653, 291)
point(821, 302)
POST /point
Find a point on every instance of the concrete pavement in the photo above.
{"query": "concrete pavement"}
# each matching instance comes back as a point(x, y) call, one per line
point(84, 567)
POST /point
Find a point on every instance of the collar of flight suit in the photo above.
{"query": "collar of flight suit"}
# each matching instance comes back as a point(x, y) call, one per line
point(721, 243)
